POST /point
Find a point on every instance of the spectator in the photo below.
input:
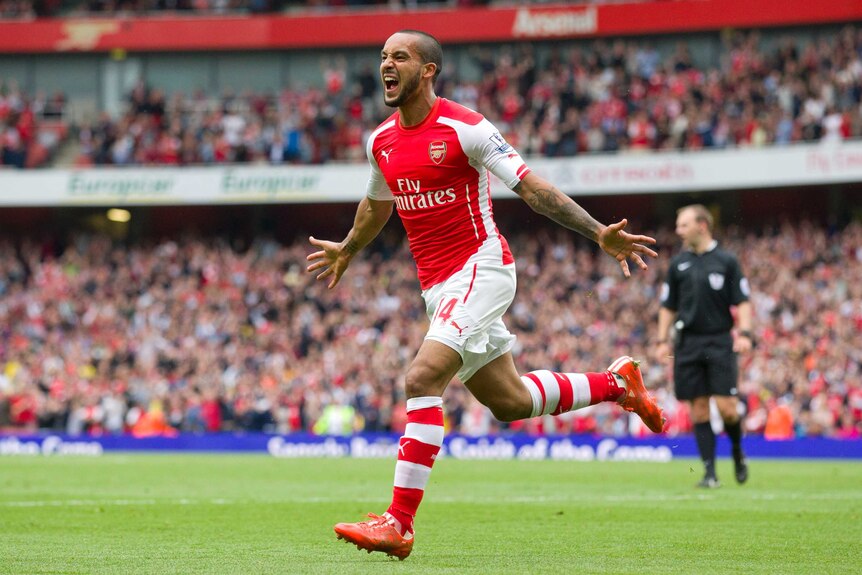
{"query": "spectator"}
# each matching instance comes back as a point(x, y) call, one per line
point(626, 96)
point(779, 422)
point(232, 339)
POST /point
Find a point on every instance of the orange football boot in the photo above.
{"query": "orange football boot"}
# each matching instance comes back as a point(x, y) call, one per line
point(377, 534)
point(637, 399)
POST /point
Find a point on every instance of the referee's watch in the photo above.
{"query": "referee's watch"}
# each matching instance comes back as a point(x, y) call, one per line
point(747, 333)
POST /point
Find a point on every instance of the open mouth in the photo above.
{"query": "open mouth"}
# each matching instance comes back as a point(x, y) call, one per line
point(390, 84)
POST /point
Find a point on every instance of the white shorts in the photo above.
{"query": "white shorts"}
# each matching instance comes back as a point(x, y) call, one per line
point(466, 313)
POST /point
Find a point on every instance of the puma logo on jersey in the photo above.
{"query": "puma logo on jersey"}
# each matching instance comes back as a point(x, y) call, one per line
point(385, 154)
point(683, 266)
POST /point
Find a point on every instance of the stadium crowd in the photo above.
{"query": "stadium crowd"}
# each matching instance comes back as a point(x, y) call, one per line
point(607, 97)
point(31, 128)
point(604, 97)
point(613, 96)
point(197, 335)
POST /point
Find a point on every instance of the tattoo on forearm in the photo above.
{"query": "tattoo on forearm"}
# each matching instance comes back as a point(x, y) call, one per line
point(552, 204)
point(351, 247)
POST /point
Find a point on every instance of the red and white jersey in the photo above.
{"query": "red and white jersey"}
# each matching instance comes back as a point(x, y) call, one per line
point(437, 173)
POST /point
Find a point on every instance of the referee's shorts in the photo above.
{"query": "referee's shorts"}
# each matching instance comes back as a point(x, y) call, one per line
point(704, 365)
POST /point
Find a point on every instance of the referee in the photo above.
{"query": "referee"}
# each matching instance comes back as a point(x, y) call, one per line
point(703, 282)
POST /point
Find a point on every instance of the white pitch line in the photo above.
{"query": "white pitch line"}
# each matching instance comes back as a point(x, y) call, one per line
point(647, 498)
point(77, 502)
point(117, 502)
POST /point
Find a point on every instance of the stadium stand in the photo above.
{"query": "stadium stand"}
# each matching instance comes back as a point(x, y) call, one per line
point(31, 129)
point(199, 334)
point(213, 338)
point(606, 97)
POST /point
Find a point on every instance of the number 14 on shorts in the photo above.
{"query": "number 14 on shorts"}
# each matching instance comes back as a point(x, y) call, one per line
point(444, 314)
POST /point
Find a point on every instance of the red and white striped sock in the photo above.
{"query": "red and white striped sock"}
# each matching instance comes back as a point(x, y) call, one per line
point(417, 451)
point(556, 393)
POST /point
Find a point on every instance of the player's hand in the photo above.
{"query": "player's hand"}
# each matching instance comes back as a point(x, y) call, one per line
point(621, 246)
point(331, 258)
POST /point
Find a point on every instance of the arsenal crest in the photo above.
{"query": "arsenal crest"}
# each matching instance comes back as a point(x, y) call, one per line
point(437, 151)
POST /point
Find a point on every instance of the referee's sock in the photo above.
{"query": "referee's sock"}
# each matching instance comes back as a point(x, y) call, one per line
point(705, 438)
point(740, 465)
point(734, 433)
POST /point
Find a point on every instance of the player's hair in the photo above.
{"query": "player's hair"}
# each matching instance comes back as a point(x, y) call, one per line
point(701, 214)
point(429, 49)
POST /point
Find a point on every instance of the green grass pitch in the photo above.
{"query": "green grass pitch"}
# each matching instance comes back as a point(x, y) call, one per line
point(167, 514)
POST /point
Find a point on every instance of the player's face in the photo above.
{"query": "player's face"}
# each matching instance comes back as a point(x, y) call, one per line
point(400, 69)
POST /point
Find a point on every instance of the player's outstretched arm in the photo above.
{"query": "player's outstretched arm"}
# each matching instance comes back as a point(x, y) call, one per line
point(547, 200)
point(334, 257)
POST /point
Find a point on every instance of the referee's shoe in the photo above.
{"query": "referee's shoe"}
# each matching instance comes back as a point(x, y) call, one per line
point(740, 467)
